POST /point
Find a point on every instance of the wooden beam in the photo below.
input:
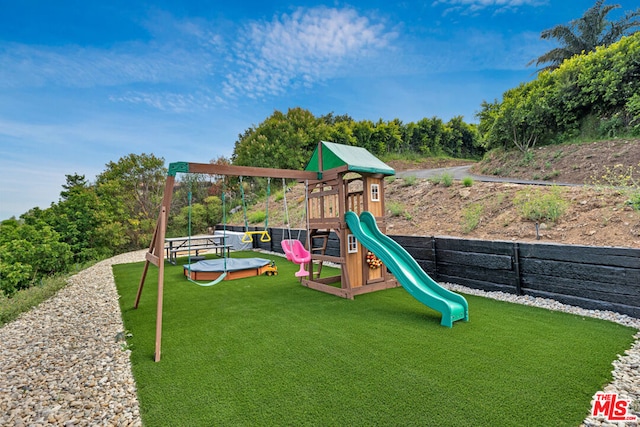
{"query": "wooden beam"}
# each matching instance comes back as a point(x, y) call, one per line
point(318, 286)
point(389, 284)
point(212, 169)
point(329, 176)
point(328, 258)
point(153, 259)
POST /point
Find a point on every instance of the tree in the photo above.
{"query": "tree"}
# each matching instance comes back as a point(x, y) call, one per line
point(429, 136)
point(387, 137)
point(342, 133)
point(588, 96)
point(583, 35)
point(523, 117)
point(203, 215)
point(283, 141)
point(363, 132)
point(461, 139)
point(132, 190)
point(85, 221)
point(288, 140)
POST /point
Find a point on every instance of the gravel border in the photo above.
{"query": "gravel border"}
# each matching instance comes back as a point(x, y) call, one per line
point(64, 362)
point(61, 362)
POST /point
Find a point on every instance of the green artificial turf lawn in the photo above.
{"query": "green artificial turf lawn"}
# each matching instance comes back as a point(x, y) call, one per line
point(267, 351)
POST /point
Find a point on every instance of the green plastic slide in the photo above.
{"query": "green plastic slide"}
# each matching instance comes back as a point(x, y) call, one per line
point(406, 270)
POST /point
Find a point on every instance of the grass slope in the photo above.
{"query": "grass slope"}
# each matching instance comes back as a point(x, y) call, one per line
point(267, 351)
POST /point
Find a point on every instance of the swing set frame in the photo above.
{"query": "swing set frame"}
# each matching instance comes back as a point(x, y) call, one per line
point(331, 191)
point(155, 254)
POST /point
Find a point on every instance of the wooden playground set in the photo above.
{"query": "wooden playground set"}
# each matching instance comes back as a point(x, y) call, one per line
point(342, 183)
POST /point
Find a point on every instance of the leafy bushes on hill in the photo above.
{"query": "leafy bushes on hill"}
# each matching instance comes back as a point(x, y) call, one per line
point(28, 253)
point(589, 96)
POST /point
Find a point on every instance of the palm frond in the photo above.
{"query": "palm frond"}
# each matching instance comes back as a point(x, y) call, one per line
point(585, 34)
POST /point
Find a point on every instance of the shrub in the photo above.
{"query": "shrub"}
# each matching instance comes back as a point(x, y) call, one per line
point(619, 176)
point(14, 276)
point(409, 180)
point(395, 208)
point(624, 179)
point(634, 200)
point(446, 179)
point(28, 253)
point(553, 174)
point(435, 180)
point(471, 217)
point(538, 205)
point(527, 158)
point(467, 181)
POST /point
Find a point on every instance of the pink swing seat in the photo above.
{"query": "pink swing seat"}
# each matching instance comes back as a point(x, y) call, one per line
point(295, 252)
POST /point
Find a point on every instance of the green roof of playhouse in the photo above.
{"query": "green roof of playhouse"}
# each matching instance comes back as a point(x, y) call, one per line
point(357, 159)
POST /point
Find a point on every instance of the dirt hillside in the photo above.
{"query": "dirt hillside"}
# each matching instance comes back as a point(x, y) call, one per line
point(597, 214)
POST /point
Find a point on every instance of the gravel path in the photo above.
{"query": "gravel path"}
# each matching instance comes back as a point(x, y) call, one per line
point(62, 364)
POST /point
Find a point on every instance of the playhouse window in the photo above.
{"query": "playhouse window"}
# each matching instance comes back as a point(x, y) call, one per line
point(375, 192)
point(352, 244)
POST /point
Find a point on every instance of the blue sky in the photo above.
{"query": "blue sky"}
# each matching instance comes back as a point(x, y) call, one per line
point(83, 83)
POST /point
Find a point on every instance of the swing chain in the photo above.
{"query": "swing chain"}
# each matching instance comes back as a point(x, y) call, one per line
point(224, 239)
point(287, 219)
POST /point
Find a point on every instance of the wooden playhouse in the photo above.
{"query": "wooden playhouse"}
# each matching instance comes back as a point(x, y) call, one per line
point(349, 179)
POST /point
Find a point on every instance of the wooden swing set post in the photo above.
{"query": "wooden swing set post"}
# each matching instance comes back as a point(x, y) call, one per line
point(155, 256)
point(163, 224)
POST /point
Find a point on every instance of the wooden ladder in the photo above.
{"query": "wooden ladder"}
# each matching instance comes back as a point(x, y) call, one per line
point(320, 250)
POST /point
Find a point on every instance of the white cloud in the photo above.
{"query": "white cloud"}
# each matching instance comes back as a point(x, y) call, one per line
point(300, 49)
point(72, 66)
point(172, 101)
point(178, 51)
point(192, 64)
point(202, 63)
point(471, 6)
